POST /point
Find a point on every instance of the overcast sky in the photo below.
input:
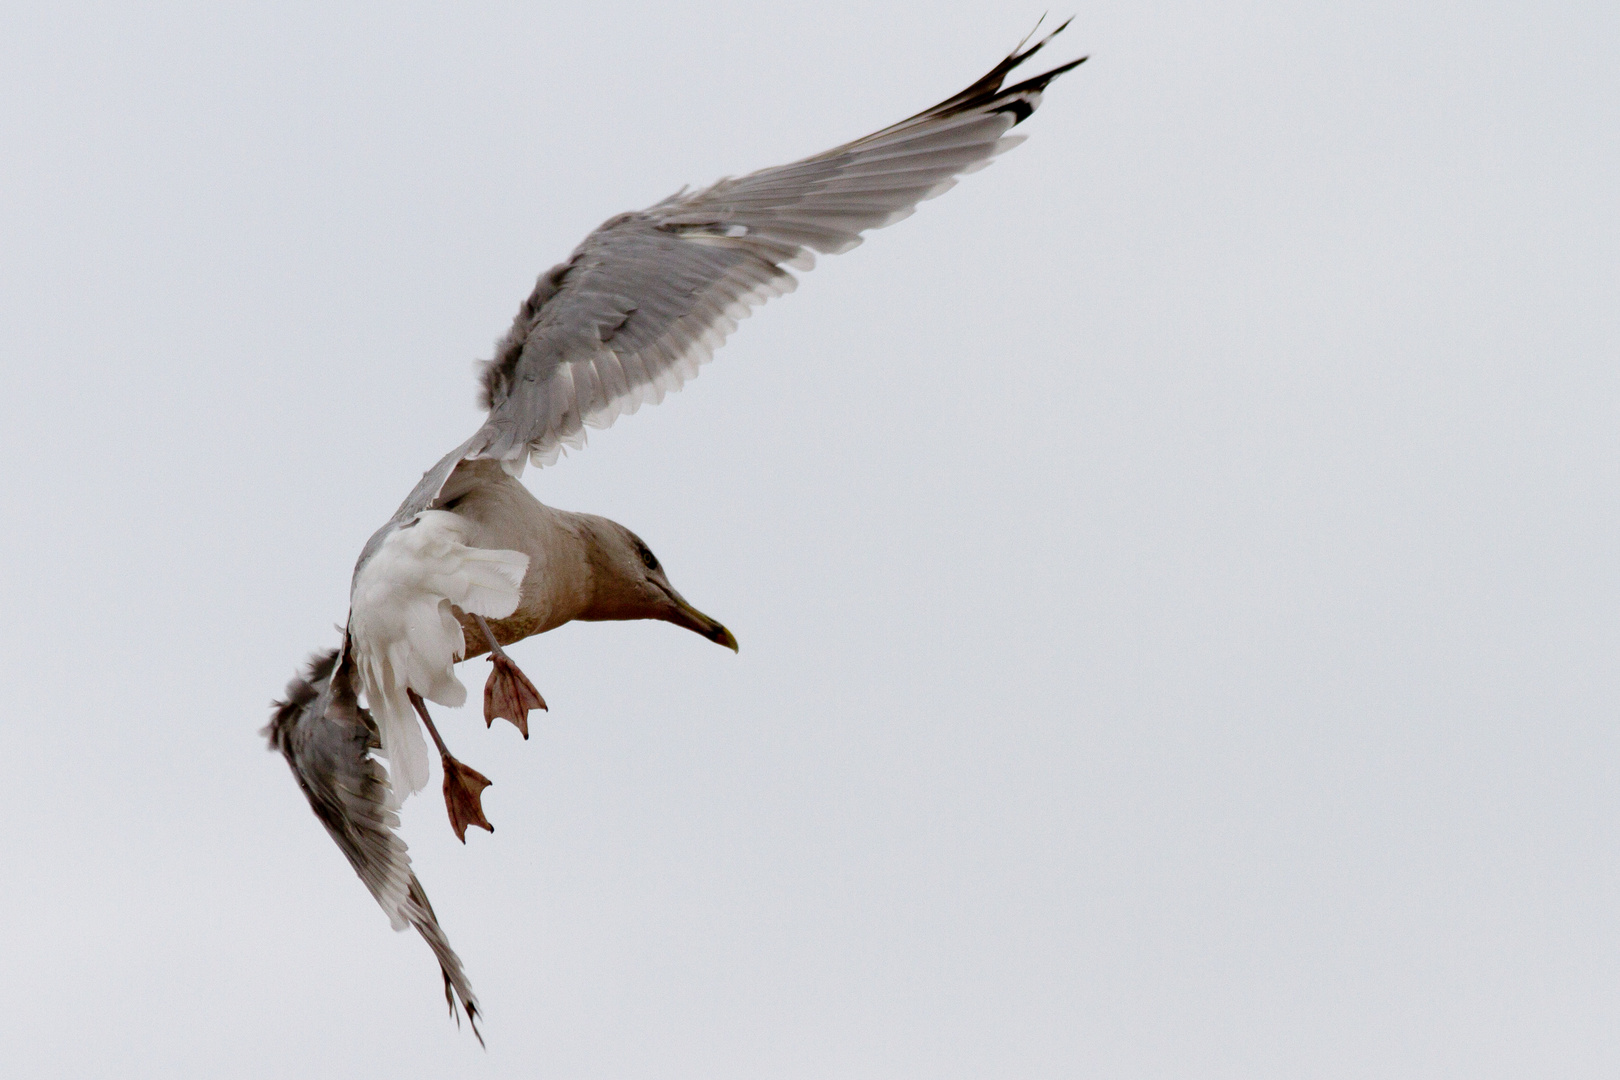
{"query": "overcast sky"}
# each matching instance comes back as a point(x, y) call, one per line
point(1175, 571)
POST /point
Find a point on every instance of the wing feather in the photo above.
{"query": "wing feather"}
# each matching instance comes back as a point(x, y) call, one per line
point(649, 296)
point(327, 740)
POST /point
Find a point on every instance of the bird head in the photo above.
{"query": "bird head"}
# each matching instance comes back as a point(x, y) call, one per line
point(628, 582)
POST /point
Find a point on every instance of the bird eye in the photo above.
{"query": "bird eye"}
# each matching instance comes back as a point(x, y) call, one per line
point(647, 558)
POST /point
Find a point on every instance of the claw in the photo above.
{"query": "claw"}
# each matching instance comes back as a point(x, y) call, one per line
point(463, 790)
point(509, 694)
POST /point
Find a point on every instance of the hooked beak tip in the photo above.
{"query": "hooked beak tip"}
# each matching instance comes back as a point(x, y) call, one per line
point(721, 636)
point(683, 614)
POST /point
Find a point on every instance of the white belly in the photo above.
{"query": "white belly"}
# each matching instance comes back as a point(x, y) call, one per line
point(405, 636)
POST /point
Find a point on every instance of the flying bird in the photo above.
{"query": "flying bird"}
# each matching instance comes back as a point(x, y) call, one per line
point(471, 561)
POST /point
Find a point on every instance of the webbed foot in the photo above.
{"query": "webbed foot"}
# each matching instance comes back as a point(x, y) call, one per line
point(463, 787)
point(509, 694)
point(463, 792)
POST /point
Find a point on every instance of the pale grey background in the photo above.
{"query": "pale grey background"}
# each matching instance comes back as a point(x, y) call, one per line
point(1175, 571)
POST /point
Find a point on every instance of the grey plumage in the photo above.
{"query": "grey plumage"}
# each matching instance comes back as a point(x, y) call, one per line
point(651, 294)
point(327, 738)
point(643, 301)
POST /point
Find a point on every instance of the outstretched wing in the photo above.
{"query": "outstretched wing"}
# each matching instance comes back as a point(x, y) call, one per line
point(650, 295)
point(327, 739)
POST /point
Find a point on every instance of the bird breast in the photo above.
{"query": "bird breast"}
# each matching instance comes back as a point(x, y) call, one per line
point(501, 514)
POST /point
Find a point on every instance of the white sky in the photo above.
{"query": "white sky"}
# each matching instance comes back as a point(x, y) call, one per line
point(1175, 571)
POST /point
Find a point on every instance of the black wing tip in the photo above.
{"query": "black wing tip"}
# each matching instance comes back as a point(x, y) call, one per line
point(473, 1015)
point(1020, 54)
point(989, 93)
point(1022, 109)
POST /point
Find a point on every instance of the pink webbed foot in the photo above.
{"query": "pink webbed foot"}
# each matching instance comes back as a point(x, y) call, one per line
point(463, 797)
point(463, 787)
point(509, 694)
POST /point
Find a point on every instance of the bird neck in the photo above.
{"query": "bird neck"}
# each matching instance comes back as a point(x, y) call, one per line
point(613, 596)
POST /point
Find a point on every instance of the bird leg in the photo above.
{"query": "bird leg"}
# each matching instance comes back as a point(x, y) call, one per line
point(463, 787)
point(508, 694)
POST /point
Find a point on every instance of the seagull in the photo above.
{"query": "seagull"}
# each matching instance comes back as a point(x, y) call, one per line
point(472, 562)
